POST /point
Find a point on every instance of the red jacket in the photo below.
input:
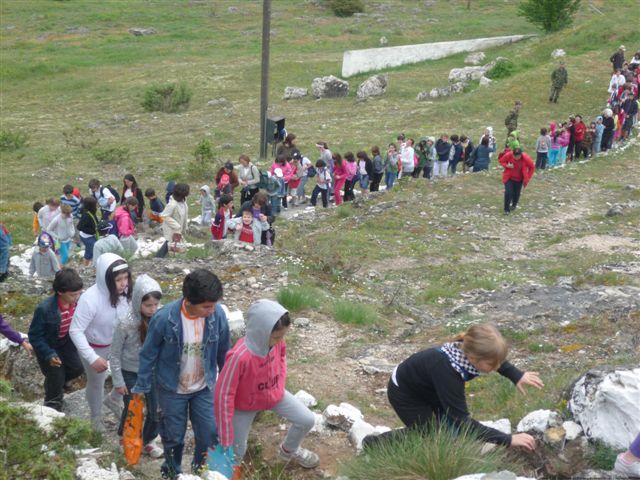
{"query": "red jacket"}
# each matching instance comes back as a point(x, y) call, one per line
point(521, 172)
point(217, 226)
point(580, 130)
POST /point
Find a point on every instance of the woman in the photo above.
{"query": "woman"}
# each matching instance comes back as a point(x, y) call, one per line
point(248, 177)
point(131, 189)
point(609, 127)
point(175, 216)
point(260, 204)
point(288, 146)
point(226, 180)
point(429, 386)
point(482, 154)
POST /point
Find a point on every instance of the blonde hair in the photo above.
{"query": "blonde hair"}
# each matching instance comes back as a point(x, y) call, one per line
point(65, 208)
point(484, 342)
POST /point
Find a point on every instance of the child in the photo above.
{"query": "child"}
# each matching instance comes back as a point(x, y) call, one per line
point(455, 154)
point(175, 216)
point(365, 169)
point(207, 204)
point(68, 198)
point(273, 190)
point(46, 213)
point(253, 380)
point(323, 181)
point(130, 189)
point(155, 207)
point(223, 217)
point(43, 260)
point(296, 176)
point(35, 224)
point(49, 334)
point(126, 225)
point(62, 230)
point(430, 385)
point(351, 168)
point(185, 347)
point(285, 173)
point(87, 228)
point(171, 185)
point(340, 173)
point(555, 146)
point(108, 242)
point(247, 228)
point(518, 170)
point(5, 247)
point(443, 148)
point(390, 166)
point(543, 145)
point(93, 324)
point(14, 336)
point(564, 139)
point(597, 139)
point(123, 359)
point(226, 180)
point(377, 169)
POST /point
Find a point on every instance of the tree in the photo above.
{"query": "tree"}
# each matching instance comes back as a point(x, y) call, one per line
point(550, 15)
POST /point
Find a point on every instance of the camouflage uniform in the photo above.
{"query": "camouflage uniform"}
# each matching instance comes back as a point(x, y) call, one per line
point(511, 121)
point(559, 79)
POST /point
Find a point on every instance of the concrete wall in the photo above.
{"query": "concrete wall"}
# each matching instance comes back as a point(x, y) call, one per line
point(373, 59)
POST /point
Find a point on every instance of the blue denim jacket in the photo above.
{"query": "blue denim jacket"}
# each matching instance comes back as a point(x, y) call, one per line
point(162, 348)
point(44, 329)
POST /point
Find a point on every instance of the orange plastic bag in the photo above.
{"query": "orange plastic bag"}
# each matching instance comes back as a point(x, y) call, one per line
point(132, 433)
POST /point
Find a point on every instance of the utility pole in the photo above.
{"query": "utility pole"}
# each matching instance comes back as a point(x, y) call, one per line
point(264, 82)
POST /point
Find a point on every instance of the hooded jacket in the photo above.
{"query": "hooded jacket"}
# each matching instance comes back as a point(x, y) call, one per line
point(257, 227)
point(61, 228)
point(207, 202)
point(95, 320)
point(126, 344)
point(123, 220)
point(254, 374)
point(175, 215)
point(523, 171)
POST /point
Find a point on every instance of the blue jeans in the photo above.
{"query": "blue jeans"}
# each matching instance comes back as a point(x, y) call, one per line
point(300, 190)
point(389, 178)
point(151, 424)
point(175, 409)
point(275, 204)
point(364, 181)
point(88, 242)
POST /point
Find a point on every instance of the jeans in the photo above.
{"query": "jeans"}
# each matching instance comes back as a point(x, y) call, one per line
point(56, 377)
point(563, 154)
point(427, 171)
point(151, 425)
point(88, 243)
point(364, 181)
point(175, 409)
point(553, 157)
point(452, 167)
point(390, 177)
point(275, 204)
point(314, 196)
point(541, 160)
point(300, 190)
point(512, 191)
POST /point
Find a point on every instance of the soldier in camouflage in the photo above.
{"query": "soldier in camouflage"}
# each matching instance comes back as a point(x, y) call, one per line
point(559, 79)
point(511, 121)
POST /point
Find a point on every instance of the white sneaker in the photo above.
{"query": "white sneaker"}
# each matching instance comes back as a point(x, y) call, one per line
point(114, 405)
point(630, 469)
point(153, 450)
point(303, 457)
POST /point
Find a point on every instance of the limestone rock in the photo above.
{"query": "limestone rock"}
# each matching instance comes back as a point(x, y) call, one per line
point(306, 398)
point(219, 102)
point(372, 365)
point(605, 403)
point(235, 319)
point(485, 82)
point(422, 96)
point(16, 364)
point(600, 475)
point(342, 416)
point(503, 425)
point(538, 421)
point(140, 32)
point(475, 58)
point(77, 30)
point(572, 429)
point(329, 87)
point(373, 86)
point(295, 92)
point(558, 52)
point(615, 209)
point(90, 470)
point(43, 416)
point(466, 73)
point(320, 426)
point(361, 429)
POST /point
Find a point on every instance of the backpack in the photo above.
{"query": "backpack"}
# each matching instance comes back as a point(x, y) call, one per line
point(264, 180)
point(114, 228)
point(113, 191)
point(311, 171)
point(469, 162)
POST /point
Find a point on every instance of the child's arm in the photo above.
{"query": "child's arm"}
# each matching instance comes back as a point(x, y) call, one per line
point(225, 395)
point(32, 264)
point(148, 357)
point(55, 265)
point(38, 338)
point(115, 357)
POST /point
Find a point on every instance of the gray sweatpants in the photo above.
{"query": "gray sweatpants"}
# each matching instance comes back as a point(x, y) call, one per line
point(290, 408)
point(95, 383)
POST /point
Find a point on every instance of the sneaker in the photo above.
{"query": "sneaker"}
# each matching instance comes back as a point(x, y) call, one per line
point(303, 457)
point(630, 469)
point(114, 405)
point(153, 450)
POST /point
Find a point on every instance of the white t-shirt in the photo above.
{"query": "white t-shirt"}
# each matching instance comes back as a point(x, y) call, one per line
point(191, 362)
point(127, 193)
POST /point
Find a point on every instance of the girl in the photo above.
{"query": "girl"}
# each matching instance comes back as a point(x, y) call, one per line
point(430, 385)
point(390, 166)
point(127, 342)
point(124, 218)
point(323, 183)
point(226, 180)
point(554, 150)
point(224, 215)
point(288, 146)
point(377, 169)
point(597, 137)
point(296, 175)
point(175, 216)
point(130, 190)
point(93, 324)
point(564, 140)
point(207, 204)
point(351, 167)
point(364, 169)
point(87, 228)
point(258, 205)
point(285, 168)
point(339, 176)
point(543, 144)
point(253, 379)
point(63, 231)
point(249, 178)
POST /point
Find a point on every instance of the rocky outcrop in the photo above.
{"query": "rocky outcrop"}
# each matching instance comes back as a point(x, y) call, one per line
point(141, 32)
point(558, 52)
point(538, 421)
point(329, 87)
point(295, 92)
point(475, 58)
point(373, 86)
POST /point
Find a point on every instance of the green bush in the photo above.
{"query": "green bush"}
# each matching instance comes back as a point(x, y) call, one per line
point(601, 456)
point(296, 299)
point(10, 141)
point(346, 311)
point(168, 98)
point(438, 453)
point(76, 432)
point(111, 155)
point(344, 211)
point(503, 69)
point(200, 166)
point(549, 15)
point(346, 8)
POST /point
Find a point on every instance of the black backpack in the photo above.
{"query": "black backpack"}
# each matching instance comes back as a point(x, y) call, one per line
point(114, 192)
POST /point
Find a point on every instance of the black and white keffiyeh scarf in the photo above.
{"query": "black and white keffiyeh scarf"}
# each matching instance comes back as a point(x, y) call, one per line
point(459, 360)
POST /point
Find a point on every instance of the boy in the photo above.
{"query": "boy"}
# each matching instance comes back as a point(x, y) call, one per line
point(43, 260)
point(155, 207)
point(46, 213)
point(62, 230)
point(107, 243)
point(35, 224)
point(207, 205)
point(247, 228)
point(323, 180)
point(455, 153)
point(105, 198)
point(443, 148)
point(185, 348)
point(68, 198)
point(49, 335)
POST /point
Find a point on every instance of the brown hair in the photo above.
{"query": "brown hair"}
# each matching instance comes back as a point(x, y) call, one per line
point(484, 342)
point(144, 324)
point(65, 208)
point(375, 150)
point(131, 202)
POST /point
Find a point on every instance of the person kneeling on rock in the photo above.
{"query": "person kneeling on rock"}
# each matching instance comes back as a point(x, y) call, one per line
point(429, 386)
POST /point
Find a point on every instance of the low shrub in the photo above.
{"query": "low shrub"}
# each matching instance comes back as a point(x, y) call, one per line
point(344, 211)
point(168, 98)
point(503, 69)
point(601, 456)
point(111, 155)
point(76, 432)
point(437, 453)
point(80, 137)
point(201, 165)
point(10, 141)
point(296, 299)
point(346, 311)
point(346, 8)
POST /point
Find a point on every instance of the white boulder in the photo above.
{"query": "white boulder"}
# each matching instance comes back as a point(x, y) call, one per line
point(306, 398)
point(422, 96)
point(329, 87)
point(558, 52)
point(606, 403)
point(475, 58)
point(383, 41)
point(320, 425)
point(485, 82)
point(88, 469)
point(342, 416)
point(503, 425)
point(373, 365)
point(235, 319)
point(572, 429)
point(209, 475)
point(538, 421)
point(361, 429)
point(373, 86)
point(43, 416)
point(466, 73)
point(295, 92)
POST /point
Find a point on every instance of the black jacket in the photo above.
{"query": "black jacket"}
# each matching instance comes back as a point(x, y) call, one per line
point(87, 223)
point(44, 329)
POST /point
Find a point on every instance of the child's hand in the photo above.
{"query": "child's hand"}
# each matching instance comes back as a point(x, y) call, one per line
point(27, 348)
point(55, 362)
point(100, 365)
point(122, 390)
point(529, 378)
point(523, 440)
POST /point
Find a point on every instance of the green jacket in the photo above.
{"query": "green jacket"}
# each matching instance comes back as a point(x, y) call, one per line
point(559, 77)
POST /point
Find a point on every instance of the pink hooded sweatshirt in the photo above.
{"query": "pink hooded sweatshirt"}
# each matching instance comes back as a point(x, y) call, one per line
point(352, 169)
point(254, 374)
point(555, 139)
point(126, 228)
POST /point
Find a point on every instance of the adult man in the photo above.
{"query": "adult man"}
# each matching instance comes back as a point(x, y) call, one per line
point(518, 170)
point(106, 201)
point(511, 120)
point(559, 79)
point(617, 59)
point(185, 347)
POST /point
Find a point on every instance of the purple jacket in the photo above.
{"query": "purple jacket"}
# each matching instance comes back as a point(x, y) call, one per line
point(10, 333)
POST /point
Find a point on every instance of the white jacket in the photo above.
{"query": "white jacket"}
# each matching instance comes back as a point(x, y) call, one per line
point(61, 228)
point(257, 227)
point(176, 215)
point(95, 320)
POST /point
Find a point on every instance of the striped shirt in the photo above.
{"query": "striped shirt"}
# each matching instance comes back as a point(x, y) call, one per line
point(73, 202)
point(66, 314)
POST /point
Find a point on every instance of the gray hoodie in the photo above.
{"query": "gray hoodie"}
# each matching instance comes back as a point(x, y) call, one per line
point(126, 343)
point(207, 202)
point(261, 317)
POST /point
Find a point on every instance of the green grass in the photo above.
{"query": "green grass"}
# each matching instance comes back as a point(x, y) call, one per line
point(299, 298)
point(601, 456)
point(353, 313)
point(544, 347)
point(436, 454)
